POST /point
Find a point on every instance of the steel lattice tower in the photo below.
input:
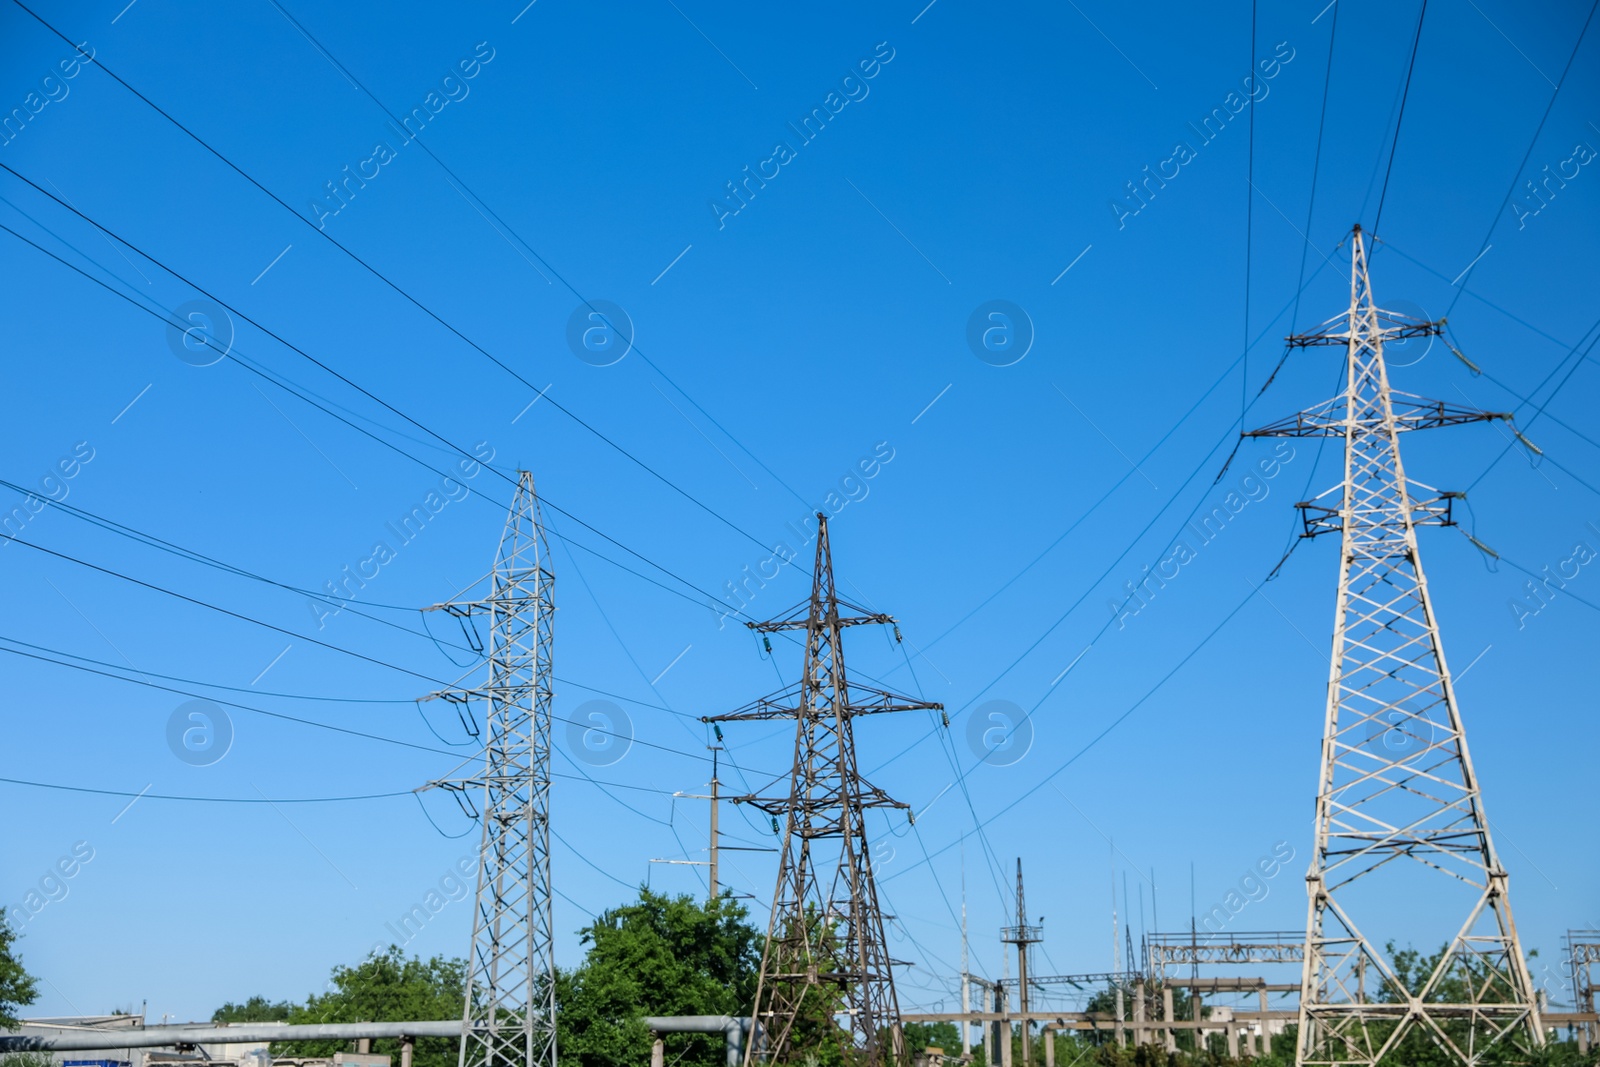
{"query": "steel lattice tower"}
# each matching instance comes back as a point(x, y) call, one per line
point(510, 1011)
point(1024, 936)
point(1399, 810)
point(825, 971)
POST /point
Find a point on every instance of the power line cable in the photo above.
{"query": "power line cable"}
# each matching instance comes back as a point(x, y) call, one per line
point(501, 224)
point(229, 353)
point(1132, 470)
point(238, 359)
point(1404, 95)
point(1135, 706)
point(1249, 223)
point(402, 292)
point(1532, 142)
point(1316, 168)
point(1205, 460)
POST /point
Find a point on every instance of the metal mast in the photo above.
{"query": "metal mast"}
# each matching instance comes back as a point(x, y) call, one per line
point(1399, 812)
point(510, 1012)
point(825, 971)
point(1023, 936)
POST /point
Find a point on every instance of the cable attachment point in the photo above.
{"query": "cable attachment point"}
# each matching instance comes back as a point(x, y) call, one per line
point(1481, 547)
point(1529, 445)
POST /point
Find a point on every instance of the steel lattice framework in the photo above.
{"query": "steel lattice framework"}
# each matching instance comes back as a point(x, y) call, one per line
point(826, 974)
point(1397, 783)
point(510, 1012)
point(1164, 951)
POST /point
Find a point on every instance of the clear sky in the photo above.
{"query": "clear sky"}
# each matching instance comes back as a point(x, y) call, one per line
point(956, 155)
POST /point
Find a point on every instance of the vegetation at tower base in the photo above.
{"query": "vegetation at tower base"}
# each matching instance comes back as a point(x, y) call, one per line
point(18, 988)
point(660, 955)
point(815, 1038)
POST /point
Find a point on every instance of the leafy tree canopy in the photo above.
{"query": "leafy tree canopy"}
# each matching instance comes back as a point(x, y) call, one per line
point(660, 955)
point(384, 987)
point(254, 1010)
point(17, 987)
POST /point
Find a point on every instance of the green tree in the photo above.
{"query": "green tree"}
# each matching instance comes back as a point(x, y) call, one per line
point(18, 988)
point(254, 1010)
point(660, 955)
point(933, 1035)
point(384, 987)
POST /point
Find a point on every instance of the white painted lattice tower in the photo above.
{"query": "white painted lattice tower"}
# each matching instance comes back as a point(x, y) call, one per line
point(1399, 819)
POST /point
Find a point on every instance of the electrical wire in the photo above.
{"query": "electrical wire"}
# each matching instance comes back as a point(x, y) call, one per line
point(500, 224)
point(1316, 169)
point(1249, 225)
point(402, 292)
point(240, 361)
point(1132, 470)
point(1135, 706)
point(1205, 460)
point(1532, 142)
point(1404, 95)
point(202, 800)
point(107, 670)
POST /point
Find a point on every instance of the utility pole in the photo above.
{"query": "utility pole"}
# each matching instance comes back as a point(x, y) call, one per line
point(715, 786)
point(716, 840)
point(966, 976)
point(1023, 936)
point(510, 1010)
point(825, 957)
point(1397, 790)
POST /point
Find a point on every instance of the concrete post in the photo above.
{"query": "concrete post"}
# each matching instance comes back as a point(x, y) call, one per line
point(1266, 1026)
point(1170, 1042)
point(658, 1052)
point(1233, 1039)
point(1139, 1035)
point(363, 1046)
point(1003, 1034)
point(1122, 1034)
point(1048, 1036)
point(407, 1047)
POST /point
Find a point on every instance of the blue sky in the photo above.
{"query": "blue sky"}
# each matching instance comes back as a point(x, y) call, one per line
point(777, 347)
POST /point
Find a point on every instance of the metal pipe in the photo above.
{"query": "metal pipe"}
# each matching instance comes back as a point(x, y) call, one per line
point(732, 1030)
point(78, 1040)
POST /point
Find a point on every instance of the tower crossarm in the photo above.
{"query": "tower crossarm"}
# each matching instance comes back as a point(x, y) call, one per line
point(775, 625)
point(869, 796)
point(1392, 325)
point(1428, 506)
point(1331, 418)
point(785, 704)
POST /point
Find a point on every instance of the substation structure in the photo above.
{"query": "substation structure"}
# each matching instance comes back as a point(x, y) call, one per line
point(1146, 1009)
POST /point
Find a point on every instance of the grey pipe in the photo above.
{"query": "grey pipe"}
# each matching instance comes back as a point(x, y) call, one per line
point(81, 1040)
point(732, 1030)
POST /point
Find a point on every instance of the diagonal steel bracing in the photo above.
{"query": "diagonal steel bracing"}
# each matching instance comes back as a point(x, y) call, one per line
point(510, 1012)
point(1397, 783)
point(826, 976)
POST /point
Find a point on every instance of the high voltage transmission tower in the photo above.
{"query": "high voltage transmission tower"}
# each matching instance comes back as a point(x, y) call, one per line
point(510, 1012)
point(1399, 811)
point(826, 975)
